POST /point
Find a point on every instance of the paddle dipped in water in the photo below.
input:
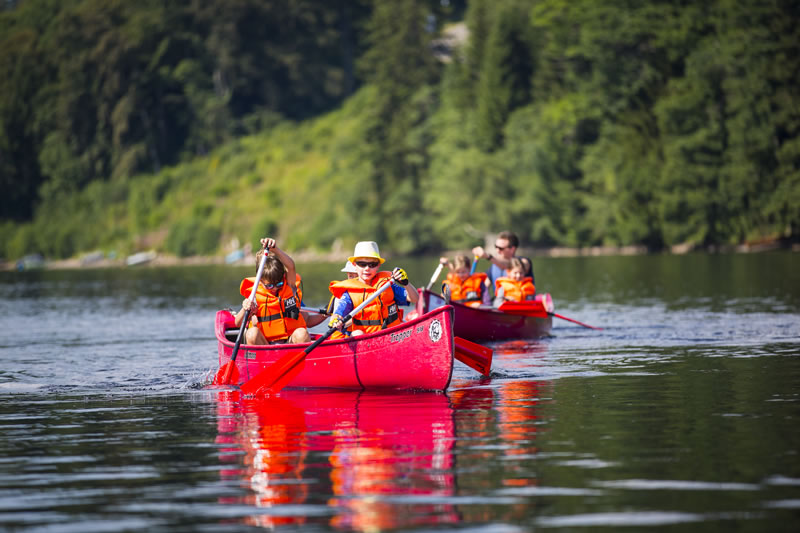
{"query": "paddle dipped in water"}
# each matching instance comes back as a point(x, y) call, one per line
point(228, 371)
point(535, 308)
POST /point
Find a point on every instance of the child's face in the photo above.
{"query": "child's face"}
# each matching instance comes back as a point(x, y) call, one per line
point(462, 273)
point(351, 275)
point(367, 269)
point(516, 274)
point(272, 286)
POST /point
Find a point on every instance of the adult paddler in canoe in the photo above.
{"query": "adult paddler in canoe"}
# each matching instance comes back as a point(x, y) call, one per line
point(379, 352)
point(517, 312)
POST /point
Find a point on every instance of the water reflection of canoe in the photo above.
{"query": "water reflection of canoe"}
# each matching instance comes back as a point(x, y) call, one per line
point(417, 354)
point(481, 324)
point(349, 450)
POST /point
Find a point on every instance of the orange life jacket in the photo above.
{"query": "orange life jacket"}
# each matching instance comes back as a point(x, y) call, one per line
point(271, 314)
point(516, 291)
point(381, 313)
point(469, 291)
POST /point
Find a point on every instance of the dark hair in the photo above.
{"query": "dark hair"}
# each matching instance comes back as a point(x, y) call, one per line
point(511, 237)
point(273, 268)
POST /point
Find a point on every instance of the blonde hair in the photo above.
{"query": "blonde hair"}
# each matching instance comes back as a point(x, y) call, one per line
point(461, 261)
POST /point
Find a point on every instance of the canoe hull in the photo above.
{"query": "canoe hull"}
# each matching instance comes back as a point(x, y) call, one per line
point(414, 355)
point(484, 324)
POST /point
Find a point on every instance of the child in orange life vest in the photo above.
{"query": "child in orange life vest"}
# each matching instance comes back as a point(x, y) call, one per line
point(384, 311)
point(514, 286)
point(466, 288)
point(276, 316)
point(350, 269)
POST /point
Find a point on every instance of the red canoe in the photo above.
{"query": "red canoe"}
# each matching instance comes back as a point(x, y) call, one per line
point(482, 324)
point(417, 354)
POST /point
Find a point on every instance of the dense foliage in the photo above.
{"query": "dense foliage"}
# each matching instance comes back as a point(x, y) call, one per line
point(181, 125)
point(104, 89)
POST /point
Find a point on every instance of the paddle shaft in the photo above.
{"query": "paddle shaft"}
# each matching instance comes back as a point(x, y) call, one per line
point(474, 265)
point(350, 315)
point(246, 319)
point(562, 317)
point(434, 277)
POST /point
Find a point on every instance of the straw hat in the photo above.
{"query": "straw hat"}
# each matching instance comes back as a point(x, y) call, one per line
point(366, 250)
point(350, 268)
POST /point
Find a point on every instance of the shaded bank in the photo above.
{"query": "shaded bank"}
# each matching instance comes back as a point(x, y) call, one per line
point(98, 260)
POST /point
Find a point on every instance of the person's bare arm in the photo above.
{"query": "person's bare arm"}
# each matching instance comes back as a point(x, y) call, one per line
point(479, 251)
point(237, 319)
point(283, 257)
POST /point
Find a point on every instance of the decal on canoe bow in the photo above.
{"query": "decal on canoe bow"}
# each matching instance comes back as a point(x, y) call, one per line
point(435, 331)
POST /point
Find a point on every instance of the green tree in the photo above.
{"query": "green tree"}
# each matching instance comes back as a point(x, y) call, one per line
point(400, 65)
point(506, 72)
point(762, 166)
point(20, 72)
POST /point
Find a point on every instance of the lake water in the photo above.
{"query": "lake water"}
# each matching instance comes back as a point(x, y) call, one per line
point(681, 414)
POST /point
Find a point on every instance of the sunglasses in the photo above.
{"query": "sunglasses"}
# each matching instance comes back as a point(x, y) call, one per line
point(501, 248)
point(368, 264)
point(274, 285)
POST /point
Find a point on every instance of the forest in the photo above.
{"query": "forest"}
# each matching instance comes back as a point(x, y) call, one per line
point(422, 124)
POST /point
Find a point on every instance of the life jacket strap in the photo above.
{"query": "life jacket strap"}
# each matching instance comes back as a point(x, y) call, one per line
point(270, 318)
point(358, 322)
point(389, 319)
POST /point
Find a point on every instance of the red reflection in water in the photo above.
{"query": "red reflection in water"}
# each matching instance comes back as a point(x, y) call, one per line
point(518, 404)
point(360, 453)
point(388, 460)
point(516, 354)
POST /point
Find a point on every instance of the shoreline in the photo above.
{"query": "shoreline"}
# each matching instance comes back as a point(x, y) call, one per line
point(92, 261)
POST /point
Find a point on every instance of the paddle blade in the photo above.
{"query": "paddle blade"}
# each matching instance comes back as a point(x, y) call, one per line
point(530, 308)
point(474, 355)
point(227, 374)
point(277, 375)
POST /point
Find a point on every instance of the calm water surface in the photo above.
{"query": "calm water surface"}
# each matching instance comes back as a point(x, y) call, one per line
point(682, 414)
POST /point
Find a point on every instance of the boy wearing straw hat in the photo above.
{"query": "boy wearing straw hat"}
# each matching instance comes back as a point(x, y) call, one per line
point(384, 311)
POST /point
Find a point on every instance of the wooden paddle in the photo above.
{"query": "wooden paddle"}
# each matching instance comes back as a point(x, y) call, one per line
point(228, 371)
point(471, 354)
point(535, 309)
point(281, 372)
